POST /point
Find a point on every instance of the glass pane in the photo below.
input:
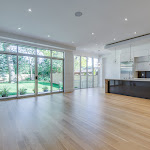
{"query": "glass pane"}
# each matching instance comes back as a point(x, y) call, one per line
point(26, 50)
point(83, 64)
point(90, 79)
point(57, 54)
point(76, 80)
point(95, 72)
point(43, 52)
point(90, 65)
point(77, 72)
point(26, 77)
point(8, 75)
point(90, 73)
point(44, 70)
point(83, 80)
point(8, 47)
point(83, 72)
point(57, 73)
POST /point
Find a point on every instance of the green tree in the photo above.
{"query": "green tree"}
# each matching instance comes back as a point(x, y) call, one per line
point(10, 62)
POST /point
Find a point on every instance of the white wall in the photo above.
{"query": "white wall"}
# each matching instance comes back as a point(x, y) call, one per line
point(85, 53)
point(111, 70)
point(68, 71)
point(69, 58)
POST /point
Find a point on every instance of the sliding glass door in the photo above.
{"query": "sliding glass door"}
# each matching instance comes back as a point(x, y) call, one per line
point(44, 75)
point(95, 72)
point(8, 75)
point(57, 75)
point(90, 73)
point(77, 72)
point(26, 75)
point(85, 72)
point(26, 71)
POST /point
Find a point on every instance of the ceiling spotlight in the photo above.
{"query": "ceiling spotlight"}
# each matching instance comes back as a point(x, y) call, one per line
point(135, 32)
point(19, 28)
point(29, 10)
point(114, 39)
point(78, 14)
point(126, 19)
point(49, 36)
point(92, 33)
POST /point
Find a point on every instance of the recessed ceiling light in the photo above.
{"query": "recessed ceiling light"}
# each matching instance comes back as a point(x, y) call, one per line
point(135, 32)
point(48, 36)
point(19, 28)
point(126, 19)
point(78, 14)
point(93, 33)
point(114, 39)
point(72, 41)
point(29, 10)
point(96, 44)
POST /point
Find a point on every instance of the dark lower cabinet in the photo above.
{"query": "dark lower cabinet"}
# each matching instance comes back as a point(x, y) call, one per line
point(139, 89)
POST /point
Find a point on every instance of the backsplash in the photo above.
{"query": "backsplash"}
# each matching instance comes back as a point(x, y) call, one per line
point(143, 74)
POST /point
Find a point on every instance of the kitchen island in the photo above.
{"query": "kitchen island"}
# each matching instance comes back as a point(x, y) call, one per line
point(130, 87)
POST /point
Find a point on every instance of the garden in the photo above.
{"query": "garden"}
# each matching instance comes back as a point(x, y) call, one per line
point(7, 89)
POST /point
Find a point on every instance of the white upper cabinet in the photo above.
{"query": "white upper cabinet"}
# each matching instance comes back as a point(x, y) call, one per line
point(142, 66)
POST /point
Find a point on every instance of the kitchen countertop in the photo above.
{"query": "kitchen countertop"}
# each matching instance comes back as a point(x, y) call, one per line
point(134, 79)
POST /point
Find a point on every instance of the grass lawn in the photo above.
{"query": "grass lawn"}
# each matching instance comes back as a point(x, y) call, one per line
point(29, 85)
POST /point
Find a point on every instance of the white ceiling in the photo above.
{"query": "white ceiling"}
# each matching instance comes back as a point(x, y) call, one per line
point(56, 18)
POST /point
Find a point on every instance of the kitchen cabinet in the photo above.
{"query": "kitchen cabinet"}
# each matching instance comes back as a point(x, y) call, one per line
point(142, 66)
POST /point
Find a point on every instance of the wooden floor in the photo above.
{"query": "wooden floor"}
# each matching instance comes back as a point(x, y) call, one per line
point(86, 119)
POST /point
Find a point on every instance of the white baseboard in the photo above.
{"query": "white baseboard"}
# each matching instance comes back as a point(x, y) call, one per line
point(68, 90)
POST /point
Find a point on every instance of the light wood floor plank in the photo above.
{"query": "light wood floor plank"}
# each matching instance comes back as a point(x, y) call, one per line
point(86, 119)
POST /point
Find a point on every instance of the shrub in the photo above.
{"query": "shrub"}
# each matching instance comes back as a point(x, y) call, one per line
point(23, 91)
point(45, 89)
point(46, 78)
point(33, 90)
point(4, 92)
point(27, 79)
point(41, 78)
